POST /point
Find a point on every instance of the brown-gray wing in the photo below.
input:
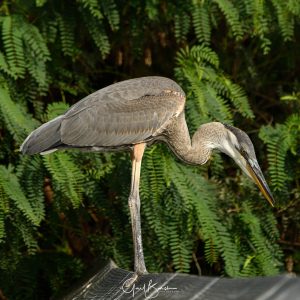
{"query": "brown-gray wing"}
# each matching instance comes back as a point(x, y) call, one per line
point(130, 114)
point(131, 89)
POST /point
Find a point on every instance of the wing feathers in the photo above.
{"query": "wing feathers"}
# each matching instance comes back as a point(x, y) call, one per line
point(124, 113)
point(128, 122)
point(43, 138)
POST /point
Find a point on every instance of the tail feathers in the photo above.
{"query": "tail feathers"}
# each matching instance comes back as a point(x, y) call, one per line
point(43, 139)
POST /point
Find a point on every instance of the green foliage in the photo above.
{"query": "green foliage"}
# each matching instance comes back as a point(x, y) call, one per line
point(263, 257)
point(16, 120)
point(234, 59)
point(210, 88)
point(67, 177)
point(201, 22)
point(283, 142)
point(12, 44)
point(198, 194)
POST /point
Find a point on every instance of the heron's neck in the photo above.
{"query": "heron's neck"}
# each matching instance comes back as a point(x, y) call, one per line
point(195, 151)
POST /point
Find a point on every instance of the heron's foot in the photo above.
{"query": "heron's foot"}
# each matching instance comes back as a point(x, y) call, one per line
point(134, 278)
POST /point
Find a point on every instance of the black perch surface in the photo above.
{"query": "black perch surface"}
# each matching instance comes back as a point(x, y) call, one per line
point(108, 283)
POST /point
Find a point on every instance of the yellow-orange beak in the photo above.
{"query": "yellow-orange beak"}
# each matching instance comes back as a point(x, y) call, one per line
point(258, 177)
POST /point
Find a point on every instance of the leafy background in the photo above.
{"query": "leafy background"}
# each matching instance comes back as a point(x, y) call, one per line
point(237, 60)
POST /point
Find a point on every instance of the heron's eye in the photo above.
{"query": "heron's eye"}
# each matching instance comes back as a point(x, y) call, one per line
point(243, 152)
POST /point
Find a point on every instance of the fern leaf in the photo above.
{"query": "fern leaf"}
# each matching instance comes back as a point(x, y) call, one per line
point(28, 237)
point(4, 210)
point(181, 249)
point(199, 194)
point(277, 147)
point(181, 26)
point(67, 176)
point(55, 109)
point(3, 64)
point(93, 7)
point(110, 10)
point(285, 20)
point(262, 254)
point(152, 189)
point(30, 173)
point(201, 22)
point(10, 186)
point(261, 24)
point(35, 41)
point(17, 121)
point(238, 97)
point(294, 7)
point(37, 54)
point(232, 16)
point(100, 37)
point(67, 37)
point(12, 41)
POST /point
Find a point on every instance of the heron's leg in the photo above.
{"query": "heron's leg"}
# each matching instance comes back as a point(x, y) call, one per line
point(134, 206)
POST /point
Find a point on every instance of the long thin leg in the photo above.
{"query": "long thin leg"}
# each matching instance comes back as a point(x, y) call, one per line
point(134, 206)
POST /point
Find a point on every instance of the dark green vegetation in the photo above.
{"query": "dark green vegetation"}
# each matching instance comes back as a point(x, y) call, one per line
point(237, 60)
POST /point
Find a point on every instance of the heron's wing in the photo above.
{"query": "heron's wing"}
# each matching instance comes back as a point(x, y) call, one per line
point(121, 120)
point(124, 113)
point(127, 90)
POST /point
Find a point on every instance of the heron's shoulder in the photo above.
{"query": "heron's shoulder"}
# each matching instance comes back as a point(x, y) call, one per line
point(135, 88)
point(127, 92)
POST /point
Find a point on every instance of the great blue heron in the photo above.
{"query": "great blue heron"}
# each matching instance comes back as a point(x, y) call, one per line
point(132, 114)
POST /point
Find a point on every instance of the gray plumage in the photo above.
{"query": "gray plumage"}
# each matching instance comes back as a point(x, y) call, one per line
point(132, 114)
point(119, 115)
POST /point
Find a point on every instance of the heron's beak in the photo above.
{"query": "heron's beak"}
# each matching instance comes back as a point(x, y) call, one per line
point(258, 177)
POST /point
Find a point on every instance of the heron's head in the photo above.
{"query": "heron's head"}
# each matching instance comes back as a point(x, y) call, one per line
point(238, 145)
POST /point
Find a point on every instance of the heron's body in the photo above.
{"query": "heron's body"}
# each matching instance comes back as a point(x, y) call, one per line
point(132, 114)
point(116, 117)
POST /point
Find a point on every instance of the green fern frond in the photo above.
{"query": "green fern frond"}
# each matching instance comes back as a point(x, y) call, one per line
point(201, 22)
point(99, 36)
point(217, 106)
point(37, 54)
point(262, 254)
point(237, 96)
point(277, 147)
point(269, 227)
point(152, 190)
point(205, 54)
point(67, 176)
point(15, 118)
point(49, 30)
point(285, 20)
point(4, 210)
point(261, 24)
point(10, 186)
point(181, 248)
point(294, 7)
point(30, 173)
point(35, 42)
point(13, 45)
point(93, 7)
point(232, 16)
point(29, 238)
point(293, 130)
point(210, 90)
point(110, 10)
point(55, 109)
point(3, 64)
point(67, 35)
point(182, 26)
point(198, 194)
